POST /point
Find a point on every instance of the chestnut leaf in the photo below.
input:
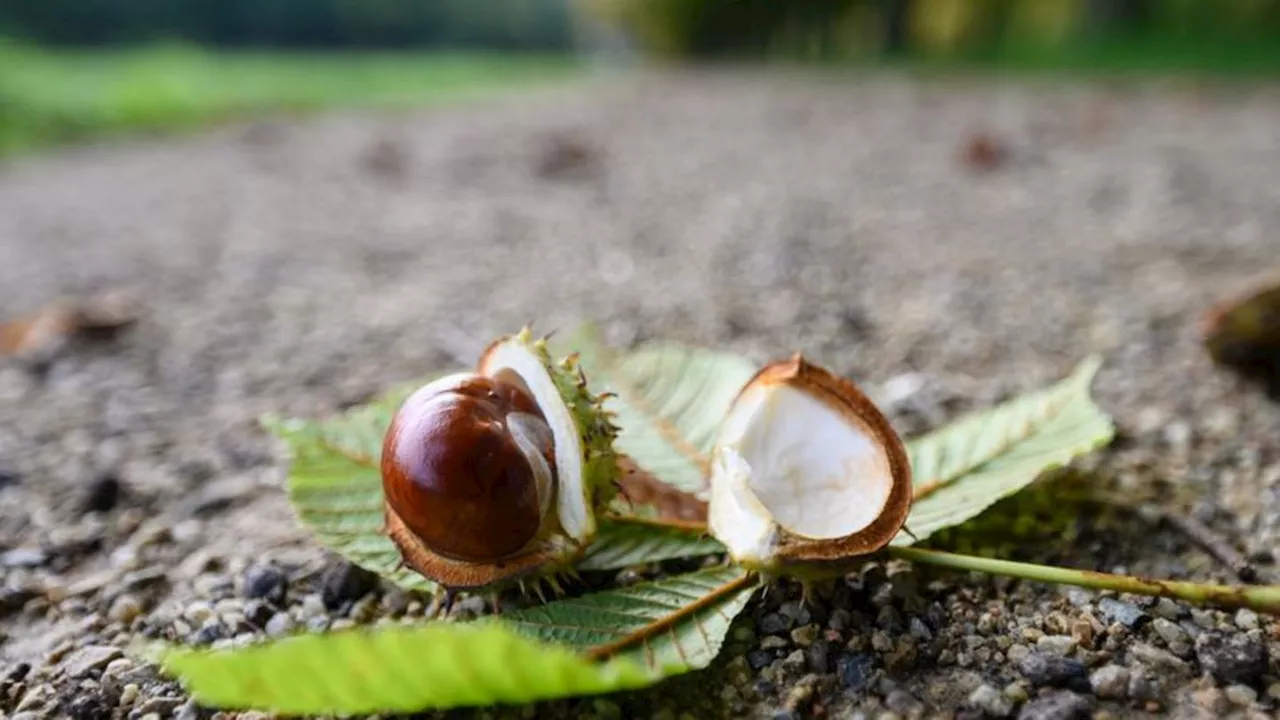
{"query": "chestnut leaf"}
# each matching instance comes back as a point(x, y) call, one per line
point(624, 542)
point(668, 399)
point(336, 492)
point(967, 466)
point(613, 640)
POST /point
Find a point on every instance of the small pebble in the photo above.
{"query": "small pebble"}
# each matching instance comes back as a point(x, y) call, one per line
point(279, 624)
point(89, 658)
point(797, 611)
point(1175, 637)
point(124, 609)
point(819, 656)
point(759, 658)
point(1241, 695)
point(129, 695)
point(1246, 619)
point(839, 619)
point(1058, 705)
point(1056, 644)
point(1110, 681)
point(160, 705)
point(265, 582)
point(903, 703)
point(1127, 614)
point(199, 612)
point(775, 624)
point(345, 583)
point(773, 642)
point(23, 558)
point(312, 607)
point(1047, 669)
point(258, 613)
point(854, 670)
point(1232, 659)
point(118, 667)
point(805, 635)
point(1155, 658)
point(1017, 653)
point(990, 701)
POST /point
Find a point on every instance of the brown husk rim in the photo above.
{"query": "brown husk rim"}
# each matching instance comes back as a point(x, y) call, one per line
point(535, 559)
point(844, 397)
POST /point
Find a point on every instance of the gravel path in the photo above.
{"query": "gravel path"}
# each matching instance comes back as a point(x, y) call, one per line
point(301, 267)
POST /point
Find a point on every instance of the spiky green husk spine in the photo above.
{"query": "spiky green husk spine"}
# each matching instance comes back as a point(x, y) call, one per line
point(594, 423)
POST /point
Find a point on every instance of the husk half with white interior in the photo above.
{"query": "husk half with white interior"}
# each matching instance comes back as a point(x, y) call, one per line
point(586, 472)
point(806, 472)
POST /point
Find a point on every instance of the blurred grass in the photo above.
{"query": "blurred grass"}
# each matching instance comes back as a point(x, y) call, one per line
point(56, 97)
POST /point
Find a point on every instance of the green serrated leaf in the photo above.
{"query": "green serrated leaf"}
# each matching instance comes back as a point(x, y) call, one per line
point(669, 400)
point(673, 623)
point(964, 468)
point(337, 492)
point(396, 669)
point(626, 542)
point(614, 640)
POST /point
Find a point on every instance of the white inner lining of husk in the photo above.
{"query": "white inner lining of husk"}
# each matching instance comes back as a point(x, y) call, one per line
point(571, 500)
point(818, 473)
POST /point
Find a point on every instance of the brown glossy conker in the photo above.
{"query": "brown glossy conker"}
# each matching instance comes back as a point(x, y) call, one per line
point(454, 474)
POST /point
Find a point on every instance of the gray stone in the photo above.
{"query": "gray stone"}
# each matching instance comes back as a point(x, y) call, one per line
point(775, 624)
point(805, 635)
point(1143, 685)
point(1246, 619)
point(1168, 609)
point(160, 705)
point(1175, 637)
point(1232, 659)
point(265, 582)
point(1155, 658)
point(773, 642)
point(991, 702)
point(903, 703)
point(839, 619)
point(1056, 644)
point(1045, 669)
point(199, 612)
point(1127, 614)
point(92, 657)
point(1058, 705)
point(124, 609)
point(1110, 681)
point(1241, 695)
point(279, 624)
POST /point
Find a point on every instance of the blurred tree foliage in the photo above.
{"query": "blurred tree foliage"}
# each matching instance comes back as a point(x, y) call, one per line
point(974, 29)
point(311, 24)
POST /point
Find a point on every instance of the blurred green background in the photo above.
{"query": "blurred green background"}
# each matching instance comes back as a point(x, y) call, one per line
point(75, 70)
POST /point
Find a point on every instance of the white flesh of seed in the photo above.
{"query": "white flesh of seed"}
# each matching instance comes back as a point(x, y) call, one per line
point(813, 471)
point(734, 514)
point(571, 494)
point(532, 435)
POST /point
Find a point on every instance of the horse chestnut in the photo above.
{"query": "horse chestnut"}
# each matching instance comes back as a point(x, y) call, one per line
point(468, 467)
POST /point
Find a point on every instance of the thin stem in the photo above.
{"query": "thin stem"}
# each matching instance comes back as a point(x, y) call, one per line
point(1264, 598)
